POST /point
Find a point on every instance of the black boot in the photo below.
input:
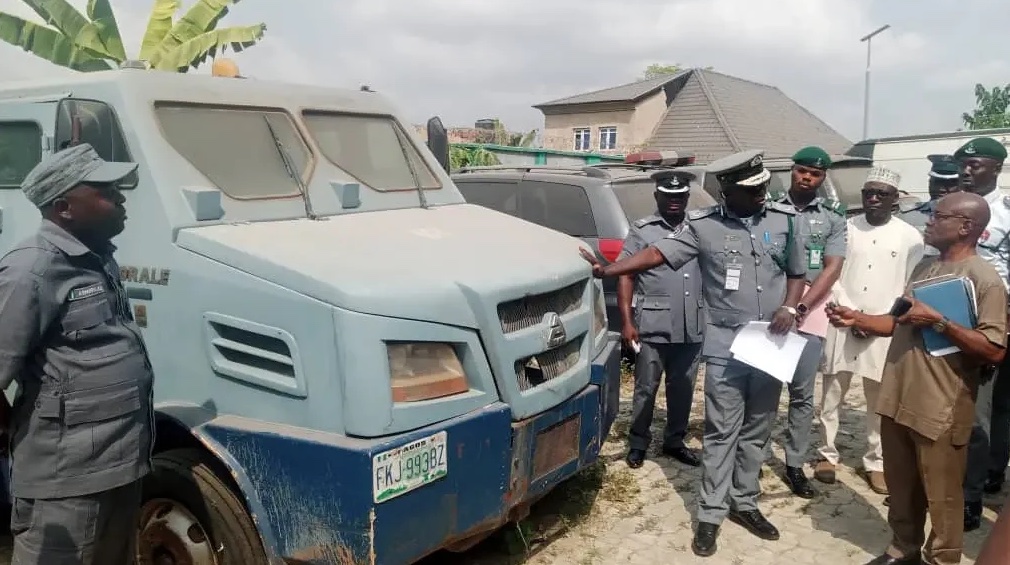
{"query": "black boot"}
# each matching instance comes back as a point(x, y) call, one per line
point(799, 483)
point(972, 516)
point(703, 544)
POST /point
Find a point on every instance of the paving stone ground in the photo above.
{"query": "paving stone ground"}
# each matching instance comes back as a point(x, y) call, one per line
point(644, 516)
point(612, 515)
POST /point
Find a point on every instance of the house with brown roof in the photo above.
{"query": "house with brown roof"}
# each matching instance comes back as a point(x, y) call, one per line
point(708, 113)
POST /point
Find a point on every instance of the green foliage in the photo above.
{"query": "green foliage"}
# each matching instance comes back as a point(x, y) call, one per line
point(460, 157)
point(92, 41)
point(657, 70)
point(990, 108)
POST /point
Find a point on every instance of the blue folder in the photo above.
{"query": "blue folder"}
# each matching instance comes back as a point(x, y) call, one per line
point(953, 297)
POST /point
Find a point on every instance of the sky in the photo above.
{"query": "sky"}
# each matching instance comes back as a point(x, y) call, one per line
point(470, 59)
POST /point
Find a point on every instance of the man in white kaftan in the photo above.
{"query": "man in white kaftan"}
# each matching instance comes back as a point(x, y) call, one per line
point(883, 250)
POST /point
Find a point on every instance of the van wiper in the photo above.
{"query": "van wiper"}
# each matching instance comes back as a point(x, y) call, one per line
point(289, 165)
point(422, 200)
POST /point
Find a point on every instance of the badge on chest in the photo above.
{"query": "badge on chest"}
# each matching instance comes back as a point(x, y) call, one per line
point(733, 271)
point(815, 252)
point(82, 292)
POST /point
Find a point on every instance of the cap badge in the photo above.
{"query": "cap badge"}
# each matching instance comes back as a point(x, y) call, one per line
point(970, 150)
point(755, 161)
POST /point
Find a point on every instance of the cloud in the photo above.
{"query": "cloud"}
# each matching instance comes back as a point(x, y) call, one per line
point(465, 59)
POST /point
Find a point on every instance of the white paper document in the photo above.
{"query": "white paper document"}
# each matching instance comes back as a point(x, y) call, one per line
point(776, 355)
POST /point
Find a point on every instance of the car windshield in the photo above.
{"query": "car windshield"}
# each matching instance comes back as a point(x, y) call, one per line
point(637, 200)
point(373, 149)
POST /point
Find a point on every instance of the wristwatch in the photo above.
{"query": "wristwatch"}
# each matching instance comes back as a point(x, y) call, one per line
point(802, 308)
point(790, 309)
point(941, 326)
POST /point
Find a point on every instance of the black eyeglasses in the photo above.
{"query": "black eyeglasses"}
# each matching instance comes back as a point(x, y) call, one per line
point(941, 216)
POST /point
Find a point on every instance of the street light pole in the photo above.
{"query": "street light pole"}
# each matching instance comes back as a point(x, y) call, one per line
point(866, 90)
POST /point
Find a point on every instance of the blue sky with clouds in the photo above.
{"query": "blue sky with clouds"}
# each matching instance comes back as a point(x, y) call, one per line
point(471, 59)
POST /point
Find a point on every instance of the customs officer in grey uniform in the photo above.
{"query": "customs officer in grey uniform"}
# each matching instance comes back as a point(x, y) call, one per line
point(944, 178)
point(666, 325)
point(81, 425)
point(981, 161)
point(822, 221)
point(753, 264)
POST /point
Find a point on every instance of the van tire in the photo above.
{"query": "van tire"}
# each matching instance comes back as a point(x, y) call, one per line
point(186, 478)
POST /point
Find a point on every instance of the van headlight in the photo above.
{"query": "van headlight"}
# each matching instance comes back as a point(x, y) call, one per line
point(424, 370)
point(599, 311)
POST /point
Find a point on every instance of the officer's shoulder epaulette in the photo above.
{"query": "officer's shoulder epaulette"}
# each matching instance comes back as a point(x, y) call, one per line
point(642, 222)
point(905, 207)
point(778, 207)
point(702, 212)
point(835, 206)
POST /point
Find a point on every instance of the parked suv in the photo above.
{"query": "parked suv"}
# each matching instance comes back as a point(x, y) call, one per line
point(596, 203)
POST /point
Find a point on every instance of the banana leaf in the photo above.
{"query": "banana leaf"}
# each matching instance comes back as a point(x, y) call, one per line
point(48, 44)
point(194, 52)
point(71, 23)
point(158, 26)
point(201, 18)
point(101, 15)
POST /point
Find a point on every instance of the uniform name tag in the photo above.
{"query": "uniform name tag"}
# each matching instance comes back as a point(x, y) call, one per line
point(732, 277)
point(815, 258)
point(82, 292)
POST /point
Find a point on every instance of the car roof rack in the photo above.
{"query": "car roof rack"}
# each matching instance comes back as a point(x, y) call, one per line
point(522, 168)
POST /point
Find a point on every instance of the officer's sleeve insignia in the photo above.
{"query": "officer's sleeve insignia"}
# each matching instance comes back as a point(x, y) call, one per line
point(702, 213)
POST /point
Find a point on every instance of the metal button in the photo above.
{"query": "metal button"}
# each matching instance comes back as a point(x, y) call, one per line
point(687, 275)
point(687, 293)
point(759, 289)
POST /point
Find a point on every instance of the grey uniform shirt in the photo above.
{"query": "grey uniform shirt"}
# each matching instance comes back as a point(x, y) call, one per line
point(916, 216)
point(83, 418)
point(668, 301)
point(744, 264)
point(824, 229)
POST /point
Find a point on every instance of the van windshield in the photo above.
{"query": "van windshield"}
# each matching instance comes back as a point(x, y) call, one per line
point(234, 149)
point(373, 149)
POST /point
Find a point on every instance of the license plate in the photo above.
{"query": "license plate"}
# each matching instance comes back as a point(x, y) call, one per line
point(408, 467)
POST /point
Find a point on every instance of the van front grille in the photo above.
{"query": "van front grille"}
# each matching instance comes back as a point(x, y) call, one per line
point(528, 311)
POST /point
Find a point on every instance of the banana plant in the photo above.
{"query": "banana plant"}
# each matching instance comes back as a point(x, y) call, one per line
point(92, 41)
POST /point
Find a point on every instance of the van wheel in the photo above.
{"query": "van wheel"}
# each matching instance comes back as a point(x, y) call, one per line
point(189, 516)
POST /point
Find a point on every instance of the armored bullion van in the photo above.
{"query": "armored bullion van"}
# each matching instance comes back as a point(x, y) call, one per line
point(352, 364)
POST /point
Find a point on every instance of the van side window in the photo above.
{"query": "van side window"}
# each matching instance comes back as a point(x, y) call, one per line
point(498, 196)
point(560, 207)
point(93, 122)
point(20, 151)
point(234, 147)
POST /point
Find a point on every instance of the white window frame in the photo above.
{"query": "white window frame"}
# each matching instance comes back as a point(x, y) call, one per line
point(588, 140)
point(605, 130)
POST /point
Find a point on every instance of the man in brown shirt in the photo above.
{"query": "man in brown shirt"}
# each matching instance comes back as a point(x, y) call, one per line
point(927, 403)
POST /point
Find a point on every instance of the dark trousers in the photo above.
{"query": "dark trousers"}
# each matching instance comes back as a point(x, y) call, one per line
point(679, 361)
point(989, 448)
point(95, 529)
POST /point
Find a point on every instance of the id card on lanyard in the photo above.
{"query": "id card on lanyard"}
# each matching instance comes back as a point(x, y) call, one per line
point(733, 271)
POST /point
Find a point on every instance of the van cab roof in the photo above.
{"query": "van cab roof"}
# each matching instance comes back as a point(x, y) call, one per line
point(148, 86)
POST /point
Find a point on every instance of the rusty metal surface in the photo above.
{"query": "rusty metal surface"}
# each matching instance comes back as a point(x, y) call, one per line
point(556, 446)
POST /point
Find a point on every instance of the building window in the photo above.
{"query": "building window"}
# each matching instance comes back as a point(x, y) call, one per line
point(608, 138)
point(582, 139)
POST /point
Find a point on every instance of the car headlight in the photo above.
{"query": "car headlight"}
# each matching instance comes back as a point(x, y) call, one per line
point(423, 371)
point(599, 312)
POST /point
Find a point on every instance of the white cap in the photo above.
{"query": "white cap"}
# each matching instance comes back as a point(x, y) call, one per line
point(884, 175)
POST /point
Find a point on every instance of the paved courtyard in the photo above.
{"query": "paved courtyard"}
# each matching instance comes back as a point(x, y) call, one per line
point(644, 516)
point(611, 515)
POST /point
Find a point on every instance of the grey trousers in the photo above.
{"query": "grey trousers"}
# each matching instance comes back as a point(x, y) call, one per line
point(801, 402)
point(679, 361)
point(740, 407)
point(999, 433)
point(96, 529)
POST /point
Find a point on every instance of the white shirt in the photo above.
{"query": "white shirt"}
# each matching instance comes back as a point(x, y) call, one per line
point(994, 243)
point(874, 275)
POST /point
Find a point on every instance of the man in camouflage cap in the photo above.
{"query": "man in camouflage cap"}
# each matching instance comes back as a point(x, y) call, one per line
point(981, 161)
point(81, 425)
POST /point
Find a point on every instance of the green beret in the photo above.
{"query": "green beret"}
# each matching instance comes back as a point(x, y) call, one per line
point(982, 147)
point(812, 157)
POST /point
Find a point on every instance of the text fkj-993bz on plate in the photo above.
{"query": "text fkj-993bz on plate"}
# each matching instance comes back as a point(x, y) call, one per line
point(405, 468)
